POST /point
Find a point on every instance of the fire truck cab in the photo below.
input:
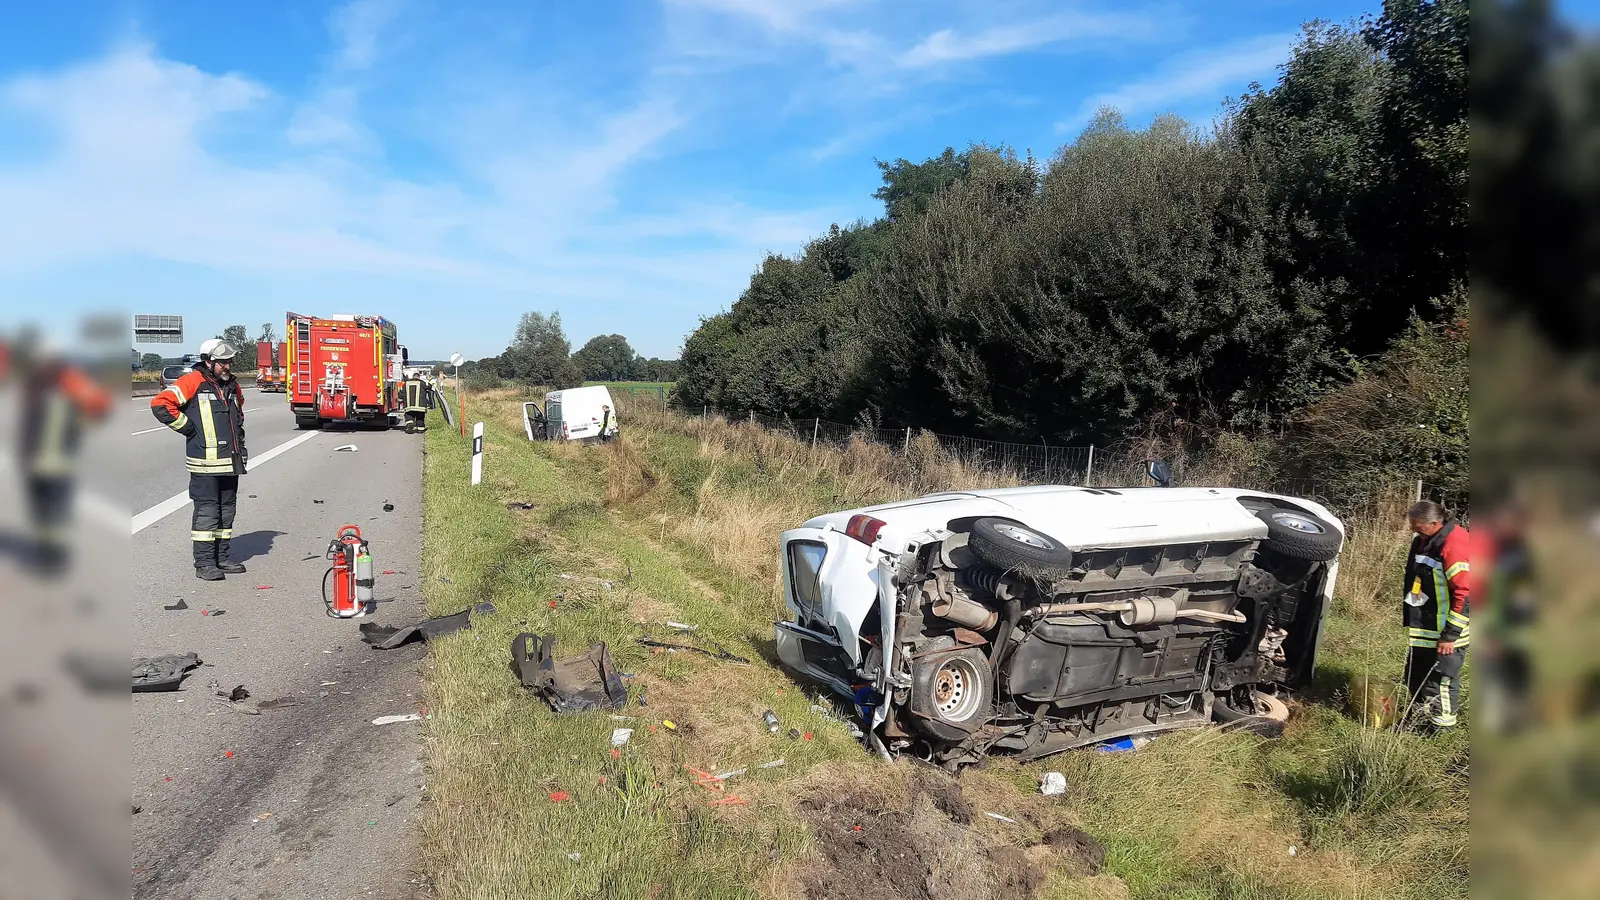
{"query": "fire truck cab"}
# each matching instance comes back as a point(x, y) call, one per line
point(344, 368)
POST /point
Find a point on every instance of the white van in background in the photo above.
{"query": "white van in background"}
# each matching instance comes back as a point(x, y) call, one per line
point(575, 414)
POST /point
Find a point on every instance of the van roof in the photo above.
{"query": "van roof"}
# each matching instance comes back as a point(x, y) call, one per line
point(593, 390)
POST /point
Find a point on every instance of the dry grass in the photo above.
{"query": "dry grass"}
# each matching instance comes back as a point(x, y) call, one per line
point(683, 515)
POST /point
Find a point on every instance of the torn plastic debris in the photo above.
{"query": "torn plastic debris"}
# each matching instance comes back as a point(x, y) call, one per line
point(162, 673)
point(519, 504)
point(583, 682)
point(176, 606)
point(1053, 785)
point(1000, 818)
point(682, 627)
point(390, 720)
point(388, 637)
point(349, 447)
point(1128, 743)
point(620, 736)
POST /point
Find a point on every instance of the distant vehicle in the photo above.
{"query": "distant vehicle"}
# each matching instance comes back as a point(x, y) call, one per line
point(270, 372)
point(575, 414)
point(170, 374)
point(1033, 620)
point(344, 368)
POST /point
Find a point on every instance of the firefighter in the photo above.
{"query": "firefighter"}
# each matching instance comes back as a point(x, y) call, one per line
point(206, 406)
point(57, 398)
point(1510, 609)
point(1438, 586)
point(419, 399)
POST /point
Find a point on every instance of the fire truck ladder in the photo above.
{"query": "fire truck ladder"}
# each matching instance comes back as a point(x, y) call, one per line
point(302, 356)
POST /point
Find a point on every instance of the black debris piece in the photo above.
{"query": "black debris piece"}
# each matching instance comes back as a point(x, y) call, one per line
point(277, 703)
point(234, 696)
point(162, 673)
point(252, 496)
point(388, 507)
point(308, 556)
point(176, 606)
point(95, 674)
point(584, 682)
point(316, 501)
point(519, 504)
point(718, 653)
point(137, 809)
point(388, 637)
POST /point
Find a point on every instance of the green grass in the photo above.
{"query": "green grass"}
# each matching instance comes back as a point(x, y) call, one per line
point(1195, 815)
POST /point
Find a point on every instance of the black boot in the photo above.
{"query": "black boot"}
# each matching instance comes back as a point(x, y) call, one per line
point(209, 573)
point(205, 561)
point(225, 564)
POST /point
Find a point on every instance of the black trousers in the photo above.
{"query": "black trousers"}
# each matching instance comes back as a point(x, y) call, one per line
point(1434, 683)
point(215, 499)
point(50, 508)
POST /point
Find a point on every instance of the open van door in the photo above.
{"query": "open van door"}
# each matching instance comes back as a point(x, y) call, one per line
point(533, 421)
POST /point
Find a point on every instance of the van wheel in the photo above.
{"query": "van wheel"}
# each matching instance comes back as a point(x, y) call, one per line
point(1300, 535)
point(1013, 546)
point(951, 694)
point(1266, 716)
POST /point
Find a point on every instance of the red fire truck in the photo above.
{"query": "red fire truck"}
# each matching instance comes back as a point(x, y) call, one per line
point(344, 369)
point(269, 367)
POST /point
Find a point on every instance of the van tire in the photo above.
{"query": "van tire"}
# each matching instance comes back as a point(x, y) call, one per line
point(1014, 547)
point(1267, 718)
point(1300, 535)
point(952, 694)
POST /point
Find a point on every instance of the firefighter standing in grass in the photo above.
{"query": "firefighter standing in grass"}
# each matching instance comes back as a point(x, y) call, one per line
point(1438, 588)
point(206, 406)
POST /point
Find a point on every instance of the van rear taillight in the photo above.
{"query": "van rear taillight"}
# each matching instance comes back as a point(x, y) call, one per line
point(864, 528)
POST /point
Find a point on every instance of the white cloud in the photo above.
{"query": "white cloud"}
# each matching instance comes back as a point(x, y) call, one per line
point(772, 15)
point(1190, 77)
point(948, 45)
point(358, 25)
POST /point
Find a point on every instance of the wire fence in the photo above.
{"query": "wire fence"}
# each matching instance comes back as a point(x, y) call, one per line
point(1088, 465)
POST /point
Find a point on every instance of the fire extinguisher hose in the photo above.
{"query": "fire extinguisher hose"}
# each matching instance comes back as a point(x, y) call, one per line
point(327, 601)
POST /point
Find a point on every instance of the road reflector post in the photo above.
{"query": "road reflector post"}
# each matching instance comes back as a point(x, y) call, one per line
point(477, 452)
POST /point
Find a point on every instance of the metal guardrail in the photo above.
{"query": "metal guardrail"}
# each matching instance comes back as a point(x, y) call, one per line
point(152, 388)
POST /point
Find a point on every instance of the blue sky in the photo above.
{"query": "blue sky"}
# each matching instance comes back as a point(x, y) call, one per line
point(451, 165)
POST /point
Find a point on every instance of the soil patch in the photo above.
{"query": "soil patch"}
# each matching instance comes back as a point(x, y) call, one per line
point(920, 844)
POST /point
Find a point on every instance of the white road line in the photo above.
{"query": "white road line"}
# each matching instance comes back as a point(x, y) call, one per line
point(165, 428)
point(178, 501)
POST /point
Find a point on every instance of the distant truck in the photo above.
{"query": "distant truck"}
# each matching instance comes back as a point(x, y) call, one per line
point(344, 368)
point(271, 375)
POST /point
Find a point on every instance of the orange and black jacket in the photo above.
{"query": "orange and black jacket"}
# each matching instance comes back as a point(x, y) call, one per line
point(210, 415)
point(56, 400)
point(1440, 569)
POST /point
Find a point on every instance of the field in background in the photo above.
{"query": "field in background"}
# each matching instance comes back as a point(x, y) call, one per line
point(678, 520)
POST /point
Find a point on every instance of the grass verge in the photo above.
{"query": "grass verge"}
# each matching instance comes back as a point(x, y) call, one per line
point(679, 521)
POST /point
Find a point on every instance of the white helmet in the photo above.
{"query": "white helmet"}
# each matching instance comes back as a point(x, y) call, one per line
point(216, 348)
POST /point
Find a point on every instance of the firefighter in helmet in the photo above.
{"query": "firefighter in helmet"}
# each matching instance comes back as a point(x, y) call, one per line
point(419, 399)
point(206, 406)
point(57, 399)
point(1438, 586)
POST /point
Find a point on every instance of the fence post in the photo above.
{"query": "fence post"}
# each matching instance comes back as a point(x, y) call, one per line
point(752, 417)
point(1419, 490)
point(908, 440)
point(705, 411)
point(1088, 474)
point(815, 427)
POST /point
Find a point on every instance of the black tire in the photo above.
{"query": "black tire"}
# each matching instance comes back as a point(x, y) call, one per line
point(1270, 725)
point(305, 424)
point(952, 694)
point(1300, 535)
point(1012, 546)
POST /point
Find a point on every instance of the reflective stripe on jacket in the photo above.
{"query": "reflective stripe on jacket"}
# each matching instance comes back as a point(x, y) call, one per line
point(418, 396)
point(1439, 568)
point(211, 416)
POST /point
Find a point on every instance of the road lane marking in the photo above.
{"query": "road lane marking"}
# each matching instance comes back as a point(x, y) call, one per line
point(178, 501)
point(165, 428)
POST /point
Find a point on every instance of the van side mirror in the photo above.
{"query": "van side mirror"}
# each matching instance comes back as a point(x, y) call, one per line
point(1160, 471)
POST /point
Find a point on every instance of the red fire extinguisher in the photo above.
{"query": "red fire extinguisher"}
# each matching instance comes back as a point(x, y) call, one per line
point(351, 573)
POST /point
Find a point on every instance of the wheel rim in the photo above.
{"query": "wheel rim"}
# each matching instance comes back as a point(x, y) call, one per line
point(1024, 536)
point(956, 692)
point(1302, 524)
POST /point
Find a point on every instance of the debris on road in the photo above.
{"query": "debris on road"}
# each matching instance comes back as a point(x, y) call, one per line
point(387, 506)
point(277, 703)
point(770, 718)
point(620, 736)
point(349, 447)
point(318, 501)
point(390, 720)
point(587, 681)
point(1053, 785)
point(176, 606)
point(388, 637)
point(682, 627)
point(208, 611)
point(519, 504)
point(162, 673)
point(263, 587)
point(234, 696)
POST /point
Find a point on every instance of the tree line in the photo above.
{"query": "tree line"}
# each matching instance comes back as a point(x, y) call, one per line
point(1226, 280)
point(540, 354)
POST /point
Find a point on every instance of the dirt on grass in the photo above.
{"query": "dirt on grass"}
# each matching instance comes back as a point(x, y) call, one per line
point(921, 842)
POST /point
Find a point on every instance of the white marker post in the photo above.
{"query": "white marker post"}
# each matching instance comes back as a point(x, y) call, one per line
point(477, 453)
